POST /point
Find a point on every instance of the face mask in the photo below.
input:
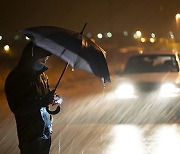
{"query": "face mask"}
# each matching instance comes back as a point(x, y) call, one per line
point(38, 66)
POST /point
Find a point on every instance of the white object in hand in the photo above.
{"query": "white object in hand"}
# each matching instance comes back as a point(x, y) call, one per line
point(57, 100)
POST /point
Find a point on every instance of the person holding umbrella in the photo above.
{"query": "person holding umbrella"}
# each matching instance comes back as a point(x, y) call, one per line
point(28, 95)
point(27, 88)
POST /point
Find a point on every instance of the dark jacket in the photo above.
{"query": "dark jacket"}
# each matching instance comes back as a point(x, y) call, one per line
point(27, 92)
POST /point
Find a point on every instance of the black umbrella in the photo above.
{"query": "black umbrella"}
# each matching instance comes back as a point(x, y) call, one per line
point(74, 48)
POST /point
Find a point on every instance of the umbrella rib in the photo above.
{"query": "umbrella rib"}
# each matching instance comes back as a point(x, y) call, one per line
point(76, 60)
point(63, 51)
point(80, 48)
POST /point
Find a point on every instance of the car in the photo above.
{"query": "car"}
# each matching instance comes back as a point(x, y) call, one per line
point(149, 74)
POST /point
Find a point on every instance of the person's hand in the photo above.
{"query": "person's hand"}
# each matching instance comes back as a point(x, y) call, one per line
point(57, 100)
point(47, 99)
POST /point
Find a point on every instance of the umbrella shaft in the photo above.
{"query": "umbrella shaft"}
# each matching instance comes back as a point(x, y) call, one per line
point(61, 76)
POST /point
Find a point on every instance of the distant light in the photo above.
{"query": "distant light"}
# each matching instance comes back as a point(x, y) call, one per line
point(138, 33)
point(152, 40)
point(27, 38)
point(172, 36)
point(153, 35)
point(170, 33)
point(6, 48)
point(143, 40)
point(89, 35)
point(177, 17)
point(109, 34)
point(125, 33)
point(135, 36)
point(140, 51)
point(1, 37)
point(100, 36)
point(16, 37)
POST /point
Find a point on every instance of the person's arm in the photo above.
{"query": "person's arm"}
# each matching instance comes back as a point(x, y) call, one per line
point(23, 97)
point(25, 102)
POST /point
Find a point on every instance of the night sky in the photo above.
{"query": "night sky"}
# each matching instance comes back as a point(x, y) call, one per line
point(101, 15)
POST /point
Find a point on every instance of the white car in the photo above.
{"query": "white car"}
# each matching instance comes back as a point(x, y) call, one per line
point(155, 74)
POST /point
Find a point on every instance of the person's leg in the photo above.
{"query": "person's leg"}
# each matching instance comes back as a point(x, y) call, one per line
point(36, 147)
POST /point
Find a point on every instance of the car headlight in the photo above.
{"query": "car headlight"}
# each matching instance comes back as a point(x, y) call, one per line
point(125, 90)
point(169, 90)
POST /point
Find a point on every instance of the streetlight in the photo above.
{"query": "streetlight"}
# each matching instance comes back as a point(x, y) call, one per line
point(178, 24)
point(6, 48)
point(100, 36)
point(143, 40)
point(177, 18)
point(138, 33)
point(89, 35)
point(109, 34)
point(152, 40)
point(153, 35)
point(125, 33)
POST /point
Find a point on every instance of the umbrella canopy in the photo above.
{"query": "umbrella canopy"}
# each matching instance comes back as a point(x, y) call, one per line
point(74, 48)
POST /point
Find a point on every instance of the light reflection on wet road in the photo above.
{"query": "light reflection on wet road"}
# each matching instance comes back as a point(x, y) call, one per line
point(128, 139)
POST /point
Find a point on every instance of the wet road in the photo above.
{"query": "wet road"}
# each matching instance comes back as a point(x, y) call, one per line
point(93, 121)
point(98, 125)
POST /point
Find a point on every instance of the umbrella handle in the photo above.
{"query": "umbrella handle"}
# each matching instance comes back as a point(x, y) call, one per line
point(56, 111)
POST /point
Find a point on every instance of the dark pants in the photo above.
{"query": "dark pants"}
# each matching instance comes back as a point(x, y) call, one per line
point(36, 147)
